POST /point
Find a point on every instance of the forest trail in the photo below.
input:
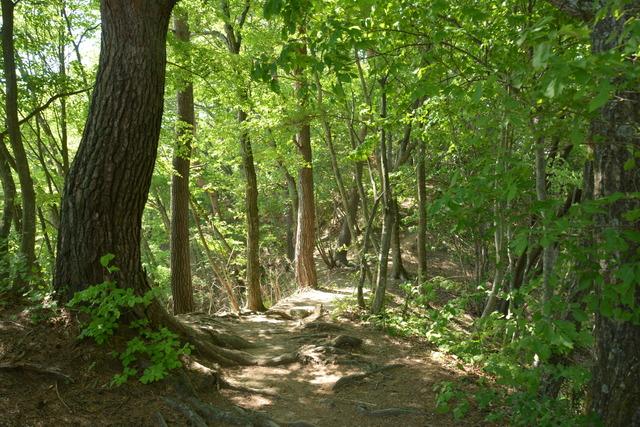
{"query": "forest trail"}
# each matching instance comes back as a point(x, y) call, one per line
point(347, 373)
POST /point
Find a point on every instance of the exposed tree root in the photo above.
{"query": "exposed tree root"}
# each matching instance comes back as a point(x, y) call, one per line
point(355, 378)
point(388, 412)
point(27, 366)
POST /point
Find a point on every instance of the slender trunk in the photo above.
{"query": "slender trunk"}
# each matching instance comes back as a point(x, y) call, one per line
point(422, 213)
point(217, 271)
point(292, 215)
point(337, 174)
point(387, 222)
point(344, 238)
point(27, 191)
point(107, 186)
point(547, 249)
point(181, 281)
point(9, 194)
point(254, 294)
point(162, 209)
point(305, 267)
point(397, 267)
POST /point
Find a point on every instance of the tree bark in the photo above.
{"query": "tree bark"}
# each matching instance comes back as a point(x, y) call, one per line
point(254, 294)
point(181, 281)
point(615, 391)
point(387, 221)
point(422, 212)
point(28, 235)
point(397, 267)
point(9, 194)
point(108, 182)
point(305, 266)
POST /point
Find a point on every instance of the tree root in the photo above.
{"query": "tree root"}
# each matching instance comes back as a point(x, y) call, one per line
point(355, 378)
point(27, 366)
point(388, 412)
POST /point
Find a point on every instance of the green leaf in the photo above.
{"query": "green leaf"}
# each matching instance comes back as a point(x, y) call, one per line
point(604, 93)
point(105, 260)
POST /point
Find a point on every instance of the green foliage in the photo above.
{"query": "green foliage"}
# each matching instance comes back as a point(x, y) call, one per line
point(105, 304)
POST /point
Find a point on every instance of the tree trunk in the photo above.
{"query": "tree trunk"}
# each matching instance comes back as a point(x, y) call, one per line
point(615, 392)
point(387, 222)
point(108, 182)
point(181, 281)
point(422, 213)
point(28, 237)
point(292, 215)
point(397, 267)
point(344, 238)
point(305, 266)
point(9, 194)
point(254, 294)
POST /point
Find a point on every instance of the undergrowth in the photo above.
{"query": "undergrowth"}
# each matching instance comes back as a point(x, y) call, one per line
point(520, 355)
point(105, 304)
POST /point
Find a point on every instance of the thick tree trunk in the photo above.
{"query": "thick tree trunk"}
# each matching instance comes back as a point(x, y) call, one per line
point(181, 282)
point(108, 183)
point(615, 392)
point(422, 213)
point(305, 266)
point(28, 237)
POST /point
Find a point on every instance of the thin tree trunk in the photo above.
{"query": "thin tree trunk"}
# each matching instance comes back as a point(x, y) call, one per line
point(422, 212)
point(9, 194)
point(547, 250)
point(387, 222)
point(397, 267)
point(27, 191)
point(305, 266)
point(217, 271)
point(181, 281)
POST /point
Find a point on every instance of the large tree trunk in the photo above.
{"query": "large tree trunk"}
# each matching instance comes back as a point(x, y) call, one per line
point(305, 266)
point(615, 393)
point(28, 238)
point(181, 282)
point(108, 183)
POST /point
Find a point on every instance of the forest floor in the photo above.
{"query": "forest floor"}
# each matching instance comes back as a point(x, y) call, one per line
point(347, 372)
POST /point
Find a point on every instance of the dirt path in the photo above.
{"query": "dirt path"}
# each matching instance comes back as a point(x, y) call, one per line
point(348, 374)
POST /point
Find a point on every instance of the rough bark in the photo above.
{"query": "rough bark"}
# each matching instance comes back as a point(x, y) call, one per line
point(28, 235)
point(305, 266)
point(108, 182)
point(181, 281)
point(615, 392)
